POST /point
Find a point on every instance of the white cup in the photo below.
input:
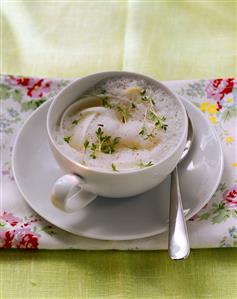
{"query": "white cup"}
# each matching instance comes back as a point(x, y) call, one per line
point(82, 184)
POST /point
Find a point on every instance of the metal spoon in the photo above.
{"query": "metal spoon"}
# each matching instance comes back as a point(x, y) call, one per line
point(178, 236)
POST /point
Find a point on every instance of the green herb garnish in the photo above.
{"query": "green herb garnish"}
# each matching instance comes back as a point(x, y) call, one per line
point(145, 98)
point(145, 134)
point(141, 164)
point(104, 143)
point(105, 103)
point(124, 113)
point(148, 99)
point(93, 149)
point(143, 131)
point(158, 120)
point(67, 138)
point(114, 168)
point(75, 122)
point(86, 144)
point(151, 114)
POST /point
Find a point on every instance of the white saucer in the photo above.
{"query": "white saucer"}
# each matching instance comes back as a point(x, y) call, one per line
point(35, 171)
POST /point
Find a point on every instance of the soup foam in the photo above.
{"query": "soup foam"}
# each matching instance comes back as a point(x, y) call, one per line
point(120, 124)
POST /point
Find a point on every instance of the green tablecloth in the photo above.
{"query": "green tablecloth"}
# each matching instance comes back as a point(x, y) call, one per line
point(165, 39)
point(209, 273)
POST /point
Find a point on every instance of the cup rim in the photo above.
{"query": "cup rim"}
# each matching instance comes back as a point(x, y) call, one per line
point(114, 74)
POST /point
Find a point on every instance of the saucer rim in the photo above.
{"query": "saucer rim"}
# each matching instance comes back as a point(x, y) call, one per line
point(189, 215)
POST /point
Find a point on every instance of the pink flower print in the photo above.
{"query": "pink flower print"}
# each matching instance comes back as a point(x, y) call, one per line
point(219, 106)
point(38, 89)
point(17, 233)
point(7, 172)
point(25, 238)
point(218, 88)
point(10, 218)
point(230, 197)
point(8, 239)
point(34, 88)
point(2, 235)
point(19, 81)
point(19, 238)
point(28, 241)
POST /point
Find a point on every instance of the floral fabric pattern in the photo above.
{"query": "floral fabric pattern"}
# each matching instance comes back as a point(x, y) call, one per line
point(216, 222)
point(19, 97)
point(21, 233)
point(230, 240)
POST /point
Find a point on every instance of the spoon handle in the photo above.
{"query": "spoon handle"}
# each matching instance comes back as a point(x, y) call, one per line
point(178, 235)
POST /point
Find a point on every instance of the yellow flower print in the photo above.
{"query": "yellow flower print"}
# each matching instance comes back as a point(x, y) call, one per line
point(234, 164)
point(204, 106)
point(230, 100)
point(229, 139)
point(212, 119)
point(212, 109)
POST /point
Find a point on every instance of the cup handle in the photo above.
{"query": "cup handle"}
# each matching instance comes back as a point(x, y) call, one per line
point(68, 194)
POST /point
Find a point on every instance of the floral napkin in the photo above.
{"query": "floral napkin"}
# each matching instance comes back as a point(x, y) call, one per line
point(214, 226)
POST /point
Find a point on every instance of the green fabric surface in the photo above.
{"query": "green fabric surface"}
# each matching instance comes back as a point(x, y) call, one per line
point(208, 273)
point(165, 39)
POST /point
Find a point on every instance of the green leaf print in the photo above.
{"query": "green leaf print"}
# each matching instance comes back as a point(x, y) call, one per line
point(7, 92)
point(4, 91)
point(7, 131)
point(234, 213)
point(229, 113)
point(220, 214)
point(25, 106)
point(230, 239)
point(222, 187)
point(16, 95)
point(204, 216)
point(48, 229)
